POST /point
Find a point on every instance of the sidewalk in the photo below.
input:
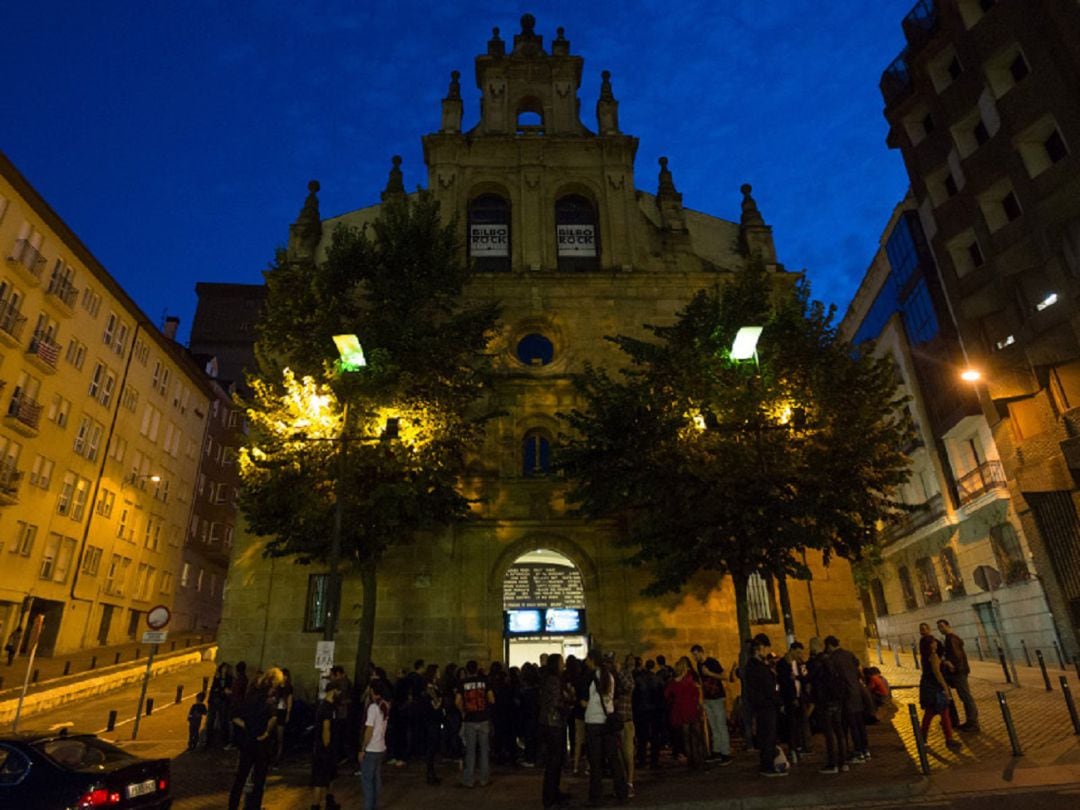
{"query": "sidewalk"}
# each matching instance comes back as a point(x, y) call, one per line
point(90, 659)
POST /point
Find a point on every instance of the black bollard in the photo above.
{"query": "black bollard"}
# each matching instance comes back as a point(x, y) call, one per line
point(93, 661)
point(1027, 655)
point(896, 654)
point(1007, 716)
point(187, 642)
point(1060, 657)
point(205, 684)
point(112, 721)
point(33, 679)
point(1004, 665)
point(173, 648)
point(978, 647)
point(1042, 666)
point(179, 693)
point(915, 654)
point(137, 651)
point(1, 682)
point(920, 743)
point(149, 706)
point(880, 659)
point(1070, 703)
point(67, 667)
point(116, 660)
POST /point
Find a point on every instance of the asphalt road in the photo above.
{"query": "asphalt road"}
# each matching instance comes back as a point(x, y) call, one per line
point(1057, 798)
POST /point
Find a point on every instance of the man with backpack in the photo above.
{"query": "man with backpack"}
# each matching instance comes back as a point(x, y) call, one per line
point(474, 700)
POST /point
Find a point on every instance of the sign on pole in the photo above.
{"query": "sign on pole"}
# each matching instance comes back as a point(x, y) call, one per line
point(154, 636)
point(158, 617)
point(324, 654)
point(35, 636)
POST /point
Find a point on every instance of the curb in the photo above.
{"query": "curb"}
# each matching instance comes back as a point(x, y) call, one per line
point(811, 799)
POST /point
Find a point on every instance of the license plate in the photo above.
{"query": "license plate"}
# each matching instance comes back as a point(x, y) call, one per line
point(141, 788)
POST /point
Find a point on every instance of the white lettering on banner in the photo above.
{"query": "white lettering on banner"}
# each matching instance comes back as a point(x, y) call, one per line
point(324, 655)
point(489, 240)
point(576, 240)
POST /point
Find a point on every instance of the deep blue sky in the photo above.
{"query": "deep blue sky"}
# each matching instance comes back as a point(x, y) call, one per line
point(176, 138)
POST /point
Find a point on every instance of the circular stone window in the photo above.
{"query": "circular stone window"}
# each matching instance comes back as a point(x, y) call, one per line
point(535, 350)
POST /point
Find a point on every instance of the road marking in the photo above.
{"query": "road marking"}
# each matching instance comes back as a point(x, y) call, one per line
point(56, 726)
point(131, 719)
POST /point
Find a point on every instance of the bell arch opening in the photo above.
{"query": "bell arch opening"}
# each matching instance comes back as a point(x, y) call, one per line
point(543, 608)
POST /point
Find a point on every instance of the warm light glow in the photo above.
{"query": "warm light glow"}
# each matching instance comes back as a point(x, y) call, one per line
point(155, 478)
point(971, 375)
point(699, 421)
point(1049, 301)
point(350, 351)
point(745, 345)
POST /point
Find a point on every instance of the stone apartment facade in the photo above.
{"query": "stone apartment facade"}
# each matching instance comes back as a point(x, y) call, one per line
point(574, 250)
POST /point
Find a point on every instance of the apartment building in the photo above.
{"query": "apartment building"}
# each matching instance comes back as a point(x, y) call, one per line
point(982, 106)
point(960, 553)
point(102, 425)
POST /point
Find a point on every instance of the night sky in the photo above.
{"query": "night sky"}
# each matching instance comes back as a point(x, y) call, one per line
point(177, 138)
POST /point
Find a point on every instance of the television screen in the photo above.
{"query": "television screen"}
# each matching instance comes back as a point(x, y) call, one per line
point(562, 620)
point(523, 621)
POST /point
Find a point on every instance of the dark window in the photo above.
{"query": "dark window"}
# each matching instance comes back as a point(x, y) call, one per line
point(980, 133)
point(950, 185)
point(910, 602)
point(954, 68)
point(318, 589)
point(917, 312)
point(881, 607)
point(1055, 147)
point(928, 582)
point(760, 599)
point(1019, 68)
point(489, 233)
point(535, 350)
point(1011, 206)
point(530, 122)
point(1009, 554)
point(535, 454)
point(976, 254)
point(928, 124)
point(577, 234)
point(954, 582)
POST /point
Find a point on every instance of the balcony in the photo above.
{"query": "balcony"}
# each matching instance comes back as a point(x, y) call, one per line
point(895, 82)
point(921, 515)
point(988, 476)
point(23, 414)
point(29, 258)
point(9, 482)
point(11, 323)
point(920, 23)
point(63, 293)
point(43, 352)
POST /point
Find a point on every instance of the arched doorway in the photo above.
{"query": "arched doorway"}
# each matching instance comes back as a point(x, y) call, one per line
point(543, 608)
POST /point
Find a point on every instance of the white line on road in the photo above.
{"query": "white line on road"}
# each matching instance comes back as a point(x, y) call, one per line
point(132, 718)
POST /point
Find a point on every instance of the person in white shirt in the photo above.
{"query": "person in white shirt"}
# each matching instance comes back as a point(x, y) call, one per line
point(601, 738)
point(373, 748)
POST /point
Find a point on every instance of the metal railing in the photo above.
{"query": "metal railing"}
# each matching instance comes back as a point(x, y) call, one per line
point(45, 348)
point(25, 410)
point(64, 290)
point(11, 320)
point(896, 80)
point(22, 252)
point(923, 515)
point(10, 476)
point(987, 476)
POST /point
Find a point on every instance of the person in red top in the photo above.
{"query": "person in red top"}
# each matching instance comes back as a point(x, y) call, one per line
point(683, 697)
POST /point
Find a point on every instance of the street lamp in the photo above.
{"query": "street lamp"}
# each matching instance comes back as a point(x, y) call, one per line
point(133, 479)
point(745, 345)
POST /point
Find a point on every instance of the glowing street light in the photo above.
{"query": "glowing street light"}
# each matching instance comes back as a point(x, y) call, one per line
point(350, 352)
point(745, 345)
point(971, 375)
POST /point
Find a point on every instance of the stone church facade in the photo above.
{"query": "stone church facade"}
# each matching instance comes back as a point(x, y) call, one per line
point(573, 251)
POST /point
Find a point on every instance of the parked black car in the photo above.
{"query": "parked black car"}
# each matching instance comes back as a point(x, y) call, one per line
point(50, 771)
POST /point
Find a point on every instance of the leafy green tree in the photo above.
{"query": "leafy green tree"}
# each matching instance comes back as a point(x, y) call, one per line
point(738, 467)
point(319, 432)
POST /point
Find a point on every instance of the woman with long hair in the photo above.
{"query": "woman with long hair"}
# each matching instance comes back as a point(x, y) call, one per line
point(683, 696)
point(373, 748)
point(601, 735)
point(934, 692)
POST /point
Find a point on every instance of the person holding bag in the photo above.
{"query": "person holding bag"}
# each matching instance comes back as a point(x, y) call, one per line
point(603, 726)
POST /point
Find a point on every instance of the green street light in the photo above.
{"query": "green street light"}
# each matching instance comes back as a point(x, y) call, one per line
point(350, 352)
point(745, 345)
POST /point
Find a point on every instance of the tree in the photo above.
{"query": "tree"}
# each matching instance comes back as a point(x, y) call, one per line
point(738, 467)
point(319, 432)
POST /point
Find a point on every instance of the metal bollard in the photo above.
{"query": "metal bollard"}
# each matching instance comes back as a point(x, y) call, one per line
point(67, 667)
point(880, 659)
point(93, 661)
point(111, 725)
point(149, 706)
point(173, 648)
point(915, 654)
point(1042, 666)
point(1070, 703)
point(205, 684)
point(137, 651)
point(1007, 716)
point(35, 677)
point(187, 642)
point(1004, 664)
point(1060, 657)
point(920, 743)
point(179, 693)
point(116, 660)
point(978, 647)
point(896, 653)
point(1027, 655)
point(1, 682)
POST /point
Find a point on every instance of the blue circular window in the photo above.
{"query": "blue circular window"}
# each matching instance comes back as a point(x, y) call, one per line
point(535, 350)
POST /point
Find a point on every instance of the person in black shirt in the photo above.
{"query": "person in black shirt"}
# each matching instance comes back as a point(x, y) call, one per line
point(258, 720)
point(763, 697)
point(324, 753)
point(195, 718)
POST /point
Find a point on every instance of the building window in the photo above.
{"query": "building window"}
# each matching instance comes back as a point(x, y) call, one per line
point(535, 350)
point(536, 453)
point(877, 591)
point(577, 235)
point(910, 602)
point(91, 561)
point(185, 575)
point(1055, 146)
point(25, 533)
point(1018, 68)
point(954, 582)
point(530, 121)
point(954, 68)
point(489, 233)
point(928, 581)
point(1011, 206)
point(1008, 553)
point(315, 607)
point(760, 601)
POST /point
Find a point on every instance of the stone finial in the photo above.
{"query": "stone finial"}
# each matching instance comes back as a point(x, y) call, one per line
point(669, 200)
point(607, 108)
point(496, 47)
point(756, 235)
point(605, 86)
point(667, 182)
point(452, 107)
point(455, 85)
point(304, 234)
point(528, 23)
point(395, 184)
point(528, 42)
point(560, 46)
point(750, 213)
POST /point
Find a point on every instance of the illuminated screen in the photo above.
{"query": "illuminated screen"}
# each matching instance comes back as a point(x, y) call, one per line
point(523, 621)
point(562, 620)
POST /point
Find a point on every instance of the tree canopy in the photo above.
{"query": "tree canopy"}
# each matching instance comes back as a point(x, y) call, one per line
point(734, 466)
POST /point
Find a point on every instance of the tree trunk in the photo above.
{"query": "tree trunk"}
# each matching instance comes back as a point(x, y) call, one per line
point(785, 606)
point(742, 609)
point(367, 625)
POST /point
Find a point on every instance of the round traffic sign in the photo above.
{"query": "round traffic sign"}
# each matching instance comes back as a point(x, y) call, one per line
point(158, 617)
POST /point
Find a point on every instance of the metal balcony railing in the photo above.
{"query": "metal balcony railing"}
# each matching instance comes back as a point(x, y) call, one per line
point(25, 410)
point(11, 320)
point(45, 348)
point(896, 80)
point(923, 515)
point(987, 476)
point(28, 256)
point(10, 476)
point(64, 291)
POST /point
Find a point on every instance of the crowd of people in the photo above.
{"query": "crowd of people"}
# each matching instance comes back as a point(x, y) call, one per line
point(596, 716)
